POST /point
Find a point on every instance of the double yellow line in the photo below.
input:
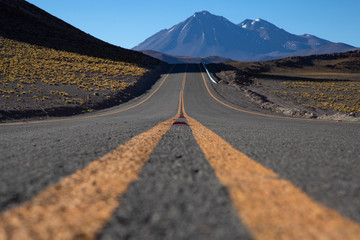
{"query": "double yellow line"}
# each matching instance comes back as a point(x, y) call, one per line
point(80, 205)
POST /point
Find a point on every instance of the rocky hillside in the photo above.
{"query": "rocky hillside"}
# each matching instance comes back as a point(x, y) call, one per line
point(50, 68)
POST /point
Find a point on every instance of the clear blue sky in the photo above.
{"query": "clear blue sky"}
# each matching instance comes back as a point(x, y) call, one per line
point(127, 23)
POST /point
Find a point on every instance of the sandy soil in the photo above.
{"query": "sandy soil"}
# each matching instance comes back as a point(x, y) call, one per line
point(28, 107)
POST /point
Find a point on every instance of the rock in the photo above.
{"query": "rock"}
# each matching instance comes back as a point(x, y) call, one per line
point(310, 115)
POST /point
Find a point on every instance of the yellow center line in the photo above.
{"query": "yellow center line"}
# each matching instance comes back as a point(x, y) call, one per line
point(93, 116)
point(262, 114)
point(78, 206)
point(270, 207)
point(181, 101)
point(184, 79)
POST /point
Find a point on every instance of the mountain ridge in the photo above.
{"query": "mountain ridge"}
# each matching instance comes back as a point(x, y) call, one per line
point(185, 60)
point(204, 34)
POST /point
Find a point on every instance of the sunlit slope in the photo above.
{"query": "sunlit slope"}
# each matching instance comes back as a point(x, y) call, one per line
point(30, 73)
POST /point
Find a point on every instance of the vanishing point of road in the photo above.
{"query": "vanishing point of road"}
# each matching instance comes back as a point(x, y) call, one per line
point(179, 162)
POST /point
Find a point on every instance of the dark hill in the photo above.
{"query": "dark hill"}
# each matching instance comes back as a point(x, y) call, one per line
point(24, 22)
point(346, 62)
point(181, 60)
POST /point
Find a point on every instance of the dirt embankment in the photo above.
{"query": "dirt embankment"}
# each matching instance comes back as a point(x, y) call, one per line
point(323, 87)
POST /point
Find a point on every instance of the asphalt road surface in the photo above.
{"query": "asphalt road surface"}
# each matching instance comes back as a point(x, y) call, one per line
point(220, 172)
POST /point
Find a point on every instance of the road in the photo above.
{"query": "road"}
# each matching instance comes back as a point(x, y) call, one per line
point(230, 173)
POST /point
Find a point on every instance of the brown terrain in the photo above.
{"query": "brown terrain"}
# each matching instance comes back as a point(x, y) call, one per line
point(50, 68)
point(318, 86)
